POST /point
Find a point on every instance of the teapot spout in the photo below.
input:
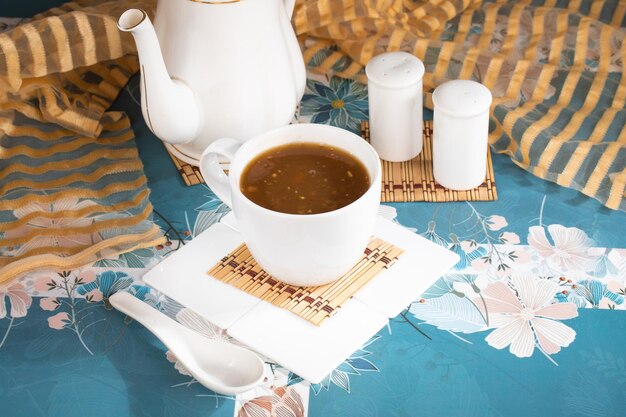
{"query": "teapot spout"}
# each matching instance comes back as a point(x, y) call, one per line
point(169, 106)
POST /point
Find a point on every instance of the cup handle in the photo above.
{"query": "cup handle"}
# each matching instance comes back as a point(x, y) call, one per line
point(213, 174)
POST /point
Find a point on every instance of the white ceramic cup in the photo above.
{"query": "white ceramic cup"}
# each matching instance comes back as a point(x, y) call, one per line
point(299, 249)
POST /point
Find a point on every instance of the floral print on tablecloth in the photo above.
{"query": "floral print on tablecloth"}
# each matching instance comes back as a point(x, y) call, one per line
point(339, 102)
point(542, 285)
point(517, 297)
point(520, 294)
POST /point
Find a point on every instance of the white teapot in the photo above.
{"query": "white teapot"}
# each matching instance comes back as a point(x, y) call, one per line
point(213, 69)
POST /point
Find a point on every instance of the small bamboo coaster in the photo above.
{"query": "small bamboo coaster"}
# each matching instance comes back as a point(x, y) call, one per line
point(314, 304)
point(414, 180)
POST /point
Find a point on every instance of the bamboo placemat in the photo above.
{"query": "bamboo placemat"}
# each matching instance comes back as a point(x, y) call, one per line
point(314, 304)
point(414, 180)
point(190, 173)
point(402, 181)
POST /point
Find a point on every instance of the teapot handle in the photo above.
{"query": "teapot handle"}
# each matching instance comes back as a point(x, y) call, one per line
point(289, 6)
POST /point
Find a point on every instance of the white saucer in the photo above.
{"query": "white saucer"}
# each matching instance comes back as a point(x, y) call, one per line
point(311, 352)
point(191, 158)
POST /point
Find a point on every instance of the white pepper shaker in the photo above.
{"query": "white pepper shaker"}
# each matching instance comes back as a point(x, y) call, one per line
point(395, 105)
point(460, 134)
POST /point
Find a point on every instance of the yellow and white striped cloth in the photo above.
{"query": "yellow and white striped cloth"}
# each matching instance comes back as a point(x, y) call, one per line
point(72, 187)
point(555, 69)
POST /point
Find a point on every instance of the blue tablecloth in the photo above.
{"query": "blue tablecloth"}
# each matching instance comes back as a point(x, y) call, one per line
point(540, 262)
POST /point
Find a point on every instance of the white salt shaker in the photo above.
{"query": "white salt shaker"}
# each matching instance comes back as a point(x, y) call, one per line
point(460, 134)
point(395, 105)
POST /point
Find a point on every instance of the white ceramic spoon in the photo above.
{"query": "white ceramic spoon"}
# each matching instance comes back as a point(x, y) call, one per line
point(219, 366)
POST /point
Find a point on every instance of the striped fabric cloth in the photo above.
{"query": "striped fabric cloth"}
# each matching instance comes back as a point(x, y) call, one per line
point(72, 187)
point(555, 69)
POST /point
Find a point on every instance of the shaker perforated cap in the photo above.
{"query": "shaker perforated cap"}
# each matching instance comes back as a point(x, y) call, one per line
point(395, 69)
point(463, 98)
